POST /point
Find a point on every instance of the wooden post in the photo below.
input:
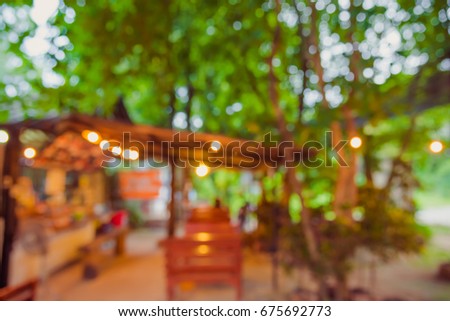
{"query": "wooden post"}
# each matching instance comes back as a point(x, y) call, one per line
point(173, 193)
point(10, 173)
point(274, 247)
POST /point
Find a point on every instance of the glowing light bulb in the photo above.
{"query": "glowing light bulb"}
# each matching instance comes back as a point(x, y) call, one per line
point(4, 137)
point(29, 153)
point(104, 144)
point(356, 142)
point(202, 170)
point(91, 136)
point(116, 150)
point(134, 154)
point(436, 146)
point(215, 146)
point(130, 154)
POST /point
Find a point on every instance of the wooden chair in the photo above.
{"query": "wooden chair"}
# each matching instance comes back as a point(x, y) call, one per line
point(211, 260)
point(23, 292)
point(210, 227)
point(209, 214)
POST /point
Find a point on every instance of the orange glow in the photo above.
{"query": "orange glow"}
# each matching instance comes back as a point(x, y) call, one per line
point(91, 136)
point(203, 249)
point(202, 236)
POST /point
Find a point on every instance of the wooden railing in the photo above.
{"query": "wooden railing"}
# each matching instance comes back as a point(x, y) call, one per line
point(22, 292)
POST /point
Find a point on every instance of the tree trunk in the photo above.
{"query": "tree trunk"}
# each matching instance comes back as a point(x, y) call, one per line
point(10, 173)
point(171, 224)
point(172, 101)
point(341, 288)
point(405, 144)
point(345, 190)
point(294, 182)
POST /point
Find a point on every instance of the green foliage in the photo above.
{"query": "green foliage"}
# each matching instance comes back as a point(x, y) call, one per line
point(338, 240)
point(295, 207)
point(148, 50)
point(380, 227)
point(386, 229)
point(228, 186)
point(136, 216)
point(271, 217)
point(432, 170)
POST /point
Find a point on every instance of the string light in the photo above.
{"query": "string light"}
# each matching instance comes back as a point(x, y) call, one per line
point(215, 146)
point(202, 170)
point(130, 154)
point(436, 146)
point(134, 154)
point(4, 137)
point(104, 144)
point(30, 153)
point(116, 150)
point(91, 136)
point(356, 142)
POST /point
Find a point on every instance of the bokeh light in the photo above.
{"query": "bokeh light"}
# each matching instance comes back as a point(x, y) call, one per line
point(356, 142)
point(436, 146)
point(131, 154)
point(202, 170)
point(4, 137)
point(215, 146)
point(29, 153)
point(91, 136)
point(104, 144)
point(116, 150)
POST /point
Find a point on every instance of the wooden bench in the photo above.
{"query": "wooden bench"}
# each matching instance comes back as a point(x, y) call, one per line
point(93, 250)
point(22, 292)
point(204, 258)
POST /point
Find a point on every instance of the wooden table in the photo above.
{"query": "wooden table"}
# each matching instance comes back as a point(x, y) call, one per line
point(92, 251)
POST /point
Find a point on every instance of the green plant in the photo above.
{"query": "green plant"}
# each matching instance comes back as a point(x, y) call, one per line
point(136, 217)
